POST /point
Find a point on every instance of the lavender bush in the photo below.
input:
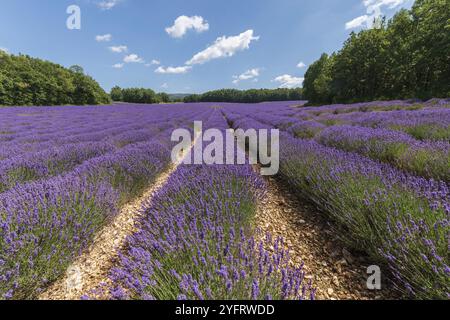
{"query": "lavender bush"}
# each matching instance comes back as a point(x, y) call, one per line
point(45, 224)
point(427, 159)
point(195, 242)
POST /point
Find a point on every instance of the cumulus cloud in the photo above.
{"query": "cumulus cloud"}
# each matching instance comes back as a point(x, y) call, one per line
point(107, 4)
point(372, 5)
point(224, 47)
point(358, 22)
point(374, 11)
point(164, 86)
point(173, 70)
point(301, 64)
point(153, 63)
point(4, 49)
point(247, 75)
point(133, 58)
point(288, 81)
point(118, 49)
point(118, 66)
point(184, 23)
point(103, 38)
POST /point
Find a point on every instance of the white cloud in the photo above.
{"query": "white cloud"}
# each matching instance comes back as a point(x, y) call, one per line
point(118, 49)
point(374, 12)
point(103, 38)
point(153, 63)
point(173, 70)
point(358, 22)
point(164, 86)
point(301, 64)
point(107, 4)
point(133, 58)
point(288, 81)
point(4, 49)
point(183, 24)
point(224, 47)
point(118, 66)
point(247, 75)
point(373, 5)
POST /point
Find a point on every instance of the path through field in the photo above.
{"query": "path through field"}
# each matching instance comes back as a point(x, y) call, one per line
point(91, 269)
point(336, 273)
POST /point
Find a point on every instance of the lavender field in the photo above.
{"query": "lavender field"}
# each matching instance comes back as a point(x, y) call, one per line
point(378, 173)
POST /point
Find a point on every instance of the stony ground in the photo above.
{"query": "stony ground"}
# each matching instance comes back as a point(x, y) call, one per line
point(89, 272)
point(336, 273)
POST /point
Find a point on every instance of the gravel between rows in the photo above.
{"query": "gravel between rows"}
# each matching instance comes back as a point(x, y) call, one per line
point(336, 273)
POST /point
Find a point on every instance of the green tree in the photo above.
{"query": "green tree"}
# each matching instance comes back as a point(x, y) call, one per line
point(406, 57)
point(30, 81)
point(76, 69)
point(431, 47)
point(317, 84)
point(247, 96)
point(163, 97)
point(116, 94)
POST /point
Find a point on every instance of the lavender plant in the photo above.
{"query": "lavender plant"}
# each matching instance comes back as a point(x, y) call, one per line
point(195, 242)
point(426, 159)
point(399, 219)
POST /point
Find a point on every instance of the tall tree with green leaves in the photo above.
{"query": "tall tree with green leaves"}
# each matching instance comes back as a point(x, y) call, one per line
point(30, 81)
point(407, 57)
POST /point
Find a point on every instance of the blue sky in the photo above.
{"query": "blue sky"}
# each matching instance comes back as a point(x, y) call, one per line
point(215, 44)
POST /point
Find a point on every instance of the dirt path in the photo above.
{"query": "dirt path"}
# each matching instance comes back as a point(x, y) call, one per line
point(91, 269)
point(335, 272)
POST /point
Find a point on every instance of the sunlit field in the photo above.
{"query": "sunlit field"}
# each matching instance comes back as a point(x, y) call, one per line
point(377, 172)
point(225, 159)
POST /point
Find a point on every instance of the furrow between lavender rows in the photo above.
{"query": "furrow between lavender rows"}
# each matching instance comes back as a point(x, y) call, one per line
point(196, 241)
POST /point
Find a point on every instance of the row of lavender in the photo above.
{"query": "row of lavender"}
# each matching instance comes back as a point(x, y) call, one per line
point(401, 220)
point(72, 171)
point(196, 241)
point(412, 137)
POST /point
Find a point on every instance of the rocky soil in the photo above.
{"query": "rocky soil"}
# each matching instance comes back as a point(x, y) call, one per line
point(89, 273)
point(337, 274)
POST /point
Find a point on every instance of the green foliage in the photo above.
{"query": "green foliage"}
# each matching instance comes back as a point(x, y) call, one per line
point(138, 95)
point(428, 132)
point(316, 87)
point(77, 69)
point(407, 57)
point(30, 81)
point(247, 96)
point(163, 97)
point(116, 94)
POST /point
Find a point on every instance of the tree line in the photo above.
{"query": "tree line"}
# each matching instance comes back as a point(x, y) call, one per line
point(405, 57)
point(138, 95)
point(247, 96)
point(30, 81)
